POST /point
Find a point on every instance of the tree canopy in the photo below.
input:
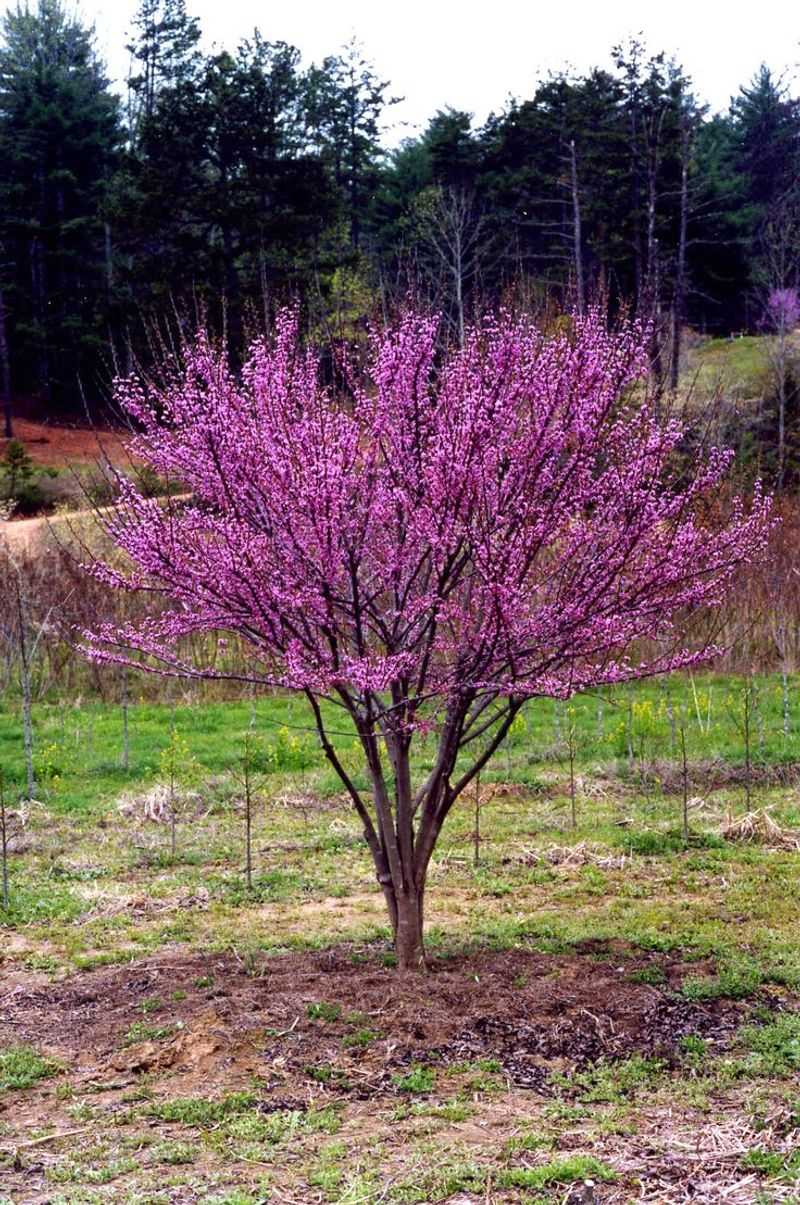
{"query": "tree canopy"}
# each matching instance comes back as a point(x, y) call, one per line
point(427, 549)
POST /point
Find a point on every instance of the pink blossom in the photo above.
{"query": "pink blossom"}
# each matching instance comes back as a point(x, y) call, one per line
point(462, 532)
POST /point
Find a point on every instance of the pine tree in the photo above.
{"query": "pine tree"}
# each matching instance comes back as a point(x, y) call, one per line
point(164, 52)
point(345, 104)
point(59, 135)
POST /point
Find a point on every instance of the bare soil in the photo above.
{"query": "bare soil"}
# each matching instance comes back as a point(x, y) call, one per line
point(57, 446)
point(305, 1031)
point(536, 1014)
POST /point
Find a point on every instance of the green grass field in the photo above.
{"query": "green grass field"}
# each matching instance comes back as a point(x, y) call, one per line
point(607, 1002)
point(737, 369)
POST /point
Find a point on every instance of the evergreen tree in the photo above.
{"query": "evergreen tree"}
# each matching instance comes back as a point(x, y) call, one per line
point(345, 104)
point(220, 197)
point(766, 132)
point(59, 137)
point(164, 52)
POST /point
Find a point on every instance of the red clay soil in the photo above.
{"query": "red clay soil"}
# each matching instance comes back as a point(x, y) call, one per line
point(535, 1014)
point(57, 446)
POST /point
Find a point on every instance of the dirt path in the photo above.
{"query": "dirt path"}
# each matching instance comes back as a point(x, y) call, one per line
point(21, 535)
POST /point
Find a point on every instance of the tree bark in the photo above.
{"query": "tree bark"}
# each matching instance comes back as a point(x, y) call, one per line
point(5, 373)
point(577, 237)
point(408, 941)
point(401, 827)
point(679, 299)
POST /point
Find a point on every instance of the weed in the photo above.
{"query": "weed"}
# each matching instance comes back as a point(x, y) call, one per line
point(693, 1045)
point(361, 1037)
point(201, 1112)
point(773, 1164)
point(323, 1011)
point(271, 885)
point(735, 981)
point(70, 1172)
point(658, 844)
point(651, 974)
point(610, 1082)
point(774, 1048)
point(22, 1067)
point(417, 1082)
point(560, 1171)
point(450, 1110)
point(175, 1153)
point(527, 1142)
point(139, 1032)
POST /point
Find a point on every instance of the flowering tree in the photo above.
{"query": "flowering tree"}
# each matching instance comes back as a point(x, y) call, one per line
point(457, 535)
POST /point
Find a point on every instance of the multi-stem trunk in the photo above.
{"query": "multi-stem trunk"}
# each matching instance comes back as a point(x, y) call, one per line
point(402, 824)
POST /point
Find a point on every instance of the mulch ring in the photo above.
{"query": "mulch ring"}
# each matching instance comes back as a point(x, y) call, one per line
point(324, 1019)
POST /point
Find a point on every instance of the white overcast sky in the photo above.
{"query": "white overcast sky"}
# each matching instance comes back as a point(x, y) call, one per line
point(474, 55)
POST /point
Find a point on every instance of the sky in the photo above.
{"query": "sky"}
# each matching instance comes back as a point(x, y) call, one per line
point(474, 56)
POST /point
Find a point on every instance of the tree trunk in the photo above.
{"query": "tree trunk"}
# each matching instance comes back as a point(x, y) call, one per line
point(408, 942)
point(5, 373)
point(679, 300)
point(577, 238)
point(401, 826)
point(233, 299)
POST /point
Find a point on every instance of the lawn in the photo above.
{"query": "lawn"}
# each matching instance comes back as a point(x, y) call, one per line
point(607, 1002)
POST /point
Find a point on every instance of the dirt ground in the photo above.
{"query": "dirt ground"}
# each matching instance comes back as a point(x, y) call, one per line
point(534, 1013)
point(57, 446)
point(223, 1024)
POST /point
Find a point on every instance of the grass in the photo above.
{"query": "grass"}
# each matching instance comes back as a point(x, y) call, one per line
point(419, 1081)
point(695, 922)
point(737, 368)
point(22, 1066)
point(79, 746)
point(558, 1171)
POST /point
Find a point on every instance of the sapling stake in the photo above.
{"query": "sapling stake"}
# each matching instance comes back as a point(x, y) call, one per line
point(477, 831)
point(25, 676)
point(248, 812)
point(629, 733)
point(671, 718)
point(571, 752)
point(173, 820)
point(758, 714)
point(684, 781)
point(747, 724)
point(126, 748)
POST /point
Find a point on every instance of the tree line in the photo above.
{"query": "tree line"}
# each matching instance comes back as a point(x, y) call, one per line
point(224, 184)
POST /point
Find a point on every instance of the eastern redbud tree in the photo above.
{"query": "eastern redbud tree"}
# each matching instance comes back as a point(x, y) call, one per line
point(449, 536)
